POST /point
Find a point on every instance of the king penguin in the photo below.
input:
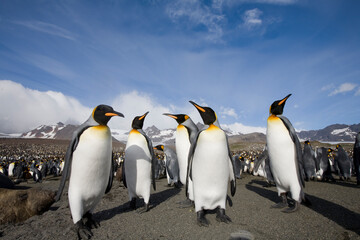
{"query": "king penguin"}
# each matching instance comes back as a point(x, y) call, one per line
point(185, 135)
point(285, 155)
point(171, 164)
point(88, 162)
point(211, 168)
point(139, 164)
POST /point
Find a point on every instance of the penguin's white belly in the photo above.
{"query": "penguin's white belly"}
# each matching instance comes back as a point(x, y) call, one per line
point(210, 170)
point(90, 170)
point(138, 167)
point(282, 156)
point(182, 151)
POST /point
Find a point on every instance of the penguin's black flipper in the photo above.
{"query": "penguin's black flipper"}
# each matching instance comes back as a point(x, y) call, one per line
point(190, 159)
point(153, 158)
point(168, 169)
point(232, 170)
point(123, 174)
point(111, 177)
point(300, 163)
point(68, 158)
point(261, 158)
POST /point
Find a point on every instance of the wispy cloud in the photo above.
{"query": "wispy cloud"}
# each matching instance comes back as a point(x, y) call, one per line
point(252, 18)
point(52, 66)
point(357, 92)
point(343, 88)
point(47, 28)
point(226, 111)
point(197, 13)
point(284, 2)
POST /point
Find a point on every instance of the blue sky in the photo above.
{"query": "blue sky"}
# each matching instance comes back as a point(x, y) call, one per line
point(59, 59)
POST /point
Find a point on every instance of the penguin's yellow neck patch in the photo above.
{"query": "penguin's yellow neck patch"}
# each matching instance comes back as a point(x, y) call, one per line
point(100, 127)
point(134, 131)
point(273, 117)
point(212, 127)
point(180, 127)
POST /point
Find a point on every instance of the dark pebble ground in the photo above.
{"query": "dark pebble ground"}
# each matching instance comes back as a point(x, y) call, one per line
point(334, 214)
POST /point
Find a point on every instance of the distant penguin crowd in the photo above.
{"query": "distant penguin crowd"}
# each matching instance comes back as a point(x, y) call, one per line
point(201, 163)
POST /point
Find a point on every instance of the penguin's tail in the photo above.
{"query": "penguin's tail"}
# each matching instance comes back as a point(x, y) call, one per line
point(306, 201)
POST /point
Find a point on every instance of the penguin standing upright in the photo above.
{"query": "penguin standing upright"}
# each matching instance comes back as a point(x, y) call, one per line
point(171, 164)
point(88, 161)
point(211, 168)
point(356, 158)
point(139, 164)
point(185, 135)
point(343, 162)
point(285, 155)
point(323, 165)
point(263, 160)
point(309, 161)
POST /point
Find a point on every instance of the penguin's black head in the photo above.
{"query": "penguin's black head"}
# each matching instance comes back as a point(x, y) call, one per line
point(277, 107)
point(138, 121)
point(307, 142)
point(207, 114)
point(103, 113)
point(159, 147)
point(180, 118)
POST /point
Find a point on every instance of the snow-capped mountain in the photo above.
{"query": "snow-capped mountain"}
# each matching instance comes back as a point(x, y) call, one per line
point(44, 131)
point(332, 133)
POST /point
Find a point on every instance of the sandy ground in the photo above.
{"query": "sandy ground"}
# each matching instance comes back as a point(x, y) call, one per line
point(335, 214)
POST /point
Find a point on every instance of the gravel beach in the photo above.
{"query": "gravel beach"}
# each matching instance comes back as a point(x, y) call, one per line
point(334, 214)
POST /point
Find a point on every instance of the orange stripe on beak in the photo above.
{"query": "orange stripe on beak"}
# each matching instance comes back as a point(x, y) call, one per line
point(110, 114)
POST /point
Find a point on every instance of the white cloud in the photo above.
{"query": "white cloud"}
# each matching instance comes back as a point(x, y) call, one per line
point(199, 14)
point(23, 109)
point(47, 28)
point(357, 92)
point(252, 18)
point(241, 128)
point(228, 112)
point(343, 88)
point(137, 103)
point(280, 2)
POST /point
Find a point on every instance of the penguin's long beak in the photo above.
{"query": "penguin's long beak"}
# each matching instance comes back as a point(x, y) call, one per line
point(143, 116)
point(114, 113)
point(284, 99)
point(198, 107)
point(170, 115)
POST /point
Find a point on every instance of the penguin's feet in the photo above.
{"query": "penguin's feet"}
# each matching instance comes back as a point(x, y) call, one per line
point(201, 220)
point(144, 209)
point(177, 185)
point(186, 204)
point(221, 216)
point(133, 203)
point(90, 222)
point(281, 204)
point(83, 231)
point(293, 208)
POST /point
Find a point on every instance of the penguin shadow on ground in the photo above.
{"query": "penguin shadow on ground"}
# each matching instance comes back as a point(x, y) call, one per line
point(344, 183)
point(155, 200)
point(334, 212)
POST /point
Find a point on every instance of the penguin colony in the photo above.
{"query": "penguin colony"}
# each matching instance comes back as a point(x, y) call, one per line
point(202, 161)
